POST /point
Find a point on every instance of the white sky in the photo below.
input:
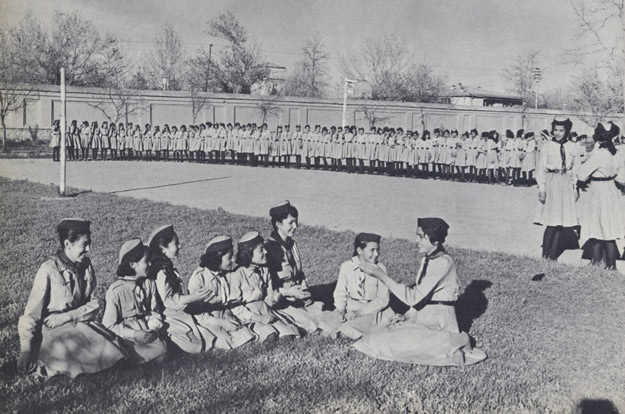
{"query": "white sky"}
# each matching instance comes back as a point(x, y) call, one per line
point(470, 41)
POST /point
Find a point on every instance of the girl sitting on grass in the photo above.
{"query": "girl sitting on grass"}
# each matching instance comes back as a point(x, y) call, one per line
point(58, 332)
point(182, 327)
point(131, 310)
point(361, 301)
point(430, 334)
point(252, 288)
point(216, 314)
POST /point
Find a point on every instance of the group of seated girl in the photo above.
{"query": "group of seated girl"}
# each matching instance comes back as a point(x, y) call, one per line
point(261, 294)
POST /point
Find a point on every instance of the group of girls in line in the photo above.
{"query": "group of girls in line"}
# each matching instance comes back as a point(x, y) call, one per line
point(259, 294)
point(486, 157)
point(598, 216)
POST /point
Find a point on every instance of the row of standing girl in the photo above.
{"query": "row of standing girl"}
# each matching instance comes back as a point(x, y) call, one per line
point(261, 295)
point(485, 157)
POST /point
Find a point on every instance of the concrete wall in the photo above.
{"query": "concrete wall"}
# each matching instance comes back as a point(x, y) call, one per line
point(175, 108)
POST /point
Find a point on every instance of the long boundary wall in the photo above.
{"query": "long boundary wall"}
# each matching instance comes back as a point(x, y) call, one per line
point(175, 108)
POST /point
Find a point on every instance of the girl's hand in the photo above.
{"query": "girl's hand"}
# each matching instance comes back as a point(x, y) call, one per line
point(351, 315)
point(55, 320)
point(201, 295)
point(145, 337)
point(542, 197)
point(372, 270)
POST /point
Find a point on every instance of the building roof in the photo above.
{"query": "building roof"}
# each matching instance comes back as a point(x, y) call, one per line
point(477, 92)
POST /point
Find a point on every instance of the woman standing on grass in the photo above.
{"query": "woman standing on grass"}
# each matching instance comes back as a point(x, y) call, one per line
point(95, 140)
point(182, 327)
point(603, 221)
point(58, 332)
point(113, 140)
point(252, 288)
point(216, 314)
point(528, 161)
point(361, 301)
point(132, 308)
point(428, 333)
point(559, 158)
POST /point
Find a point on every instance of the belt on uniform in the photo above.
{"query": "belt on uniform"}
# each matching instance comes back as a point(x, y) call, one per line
point(602, 178)
point(556, 171)
point(442, 302)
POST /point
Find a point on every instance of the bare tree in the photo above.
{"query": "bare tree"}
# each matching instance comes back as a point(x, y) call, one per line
point(310, 75)
point(73, 43)
point(392, 71)
point(595, 98)
point(199, 101)
point(268, 108)
point(239, 64)
point(119, 100)
point(520, 77)
point(15, 81)
point(199, 75)
point(167, 60)
point(421, 84)
point(601, 37)
point(371, 115)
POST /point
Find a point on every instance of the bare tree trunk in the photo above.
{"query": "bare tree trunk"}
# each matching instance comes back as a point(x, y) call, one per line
point(4, 134)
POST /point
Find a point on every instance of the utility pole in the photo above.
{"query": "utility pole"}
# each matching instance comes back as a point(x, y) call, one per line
point(208, 74)
point(537, 74)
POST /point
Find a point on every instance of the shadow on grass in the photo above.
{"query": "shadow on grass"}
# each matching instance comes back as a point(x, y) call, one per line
point(472, 303)
point(167, 185)
point(324, 293)
point(596, 407)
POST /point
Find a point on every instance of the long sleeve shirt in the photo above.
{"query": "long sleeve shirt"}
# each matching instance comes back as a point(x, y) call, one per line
point(357, 291)
point(253, 289)
point(132, 305)
point(440, 282)
point(57, 288)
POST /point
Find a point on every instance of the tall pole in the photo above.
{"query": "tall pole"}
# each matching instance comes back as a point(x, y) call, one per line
point(208, 75)
point(63, 127)
point(536, 98)
point(344, 103)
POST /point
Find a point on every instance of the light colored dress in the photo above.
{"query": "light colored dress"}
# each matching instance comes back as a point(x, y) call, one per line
point(217, 308)
point(182, 328)
point(252, 289)
point(602, 217)
point(357, 291)
point(560, 208)
point(430, 334)
point(285, 268)
point(528, 163)
point(132, 305)
point(81, 347)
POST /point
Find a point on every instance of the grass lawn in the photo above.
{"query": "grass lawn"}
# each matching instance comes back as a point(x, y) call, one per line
point(554, 346)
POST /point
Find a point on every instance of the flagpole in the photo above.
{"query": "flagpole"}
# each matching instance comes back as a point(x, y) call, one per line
point(344, 103)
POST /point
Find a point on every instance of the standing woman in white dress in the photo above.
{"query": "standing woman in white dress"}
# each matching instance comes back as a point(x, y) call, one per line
point(556, 190)
point(528, 163)
point(603, 221)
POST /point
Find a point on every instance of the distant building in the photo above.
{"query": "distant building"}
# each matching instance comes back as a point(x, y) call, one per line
point(476, 96)
point(273, 84)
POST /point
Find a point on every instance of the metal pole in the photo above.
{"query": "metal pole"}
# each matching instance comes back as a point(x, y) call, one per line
point(536, 100)
point(63, 126)
point(345, 103)
point(208, 74)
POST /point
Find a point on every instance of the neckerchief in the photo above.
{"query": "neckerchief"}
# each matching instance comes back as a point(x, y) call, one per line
point(437, 252)
point(562, 152)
